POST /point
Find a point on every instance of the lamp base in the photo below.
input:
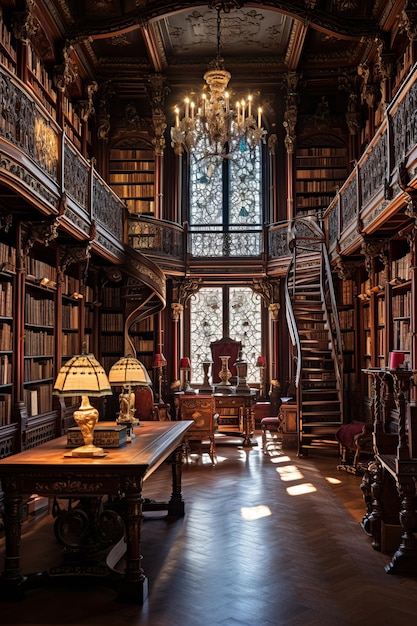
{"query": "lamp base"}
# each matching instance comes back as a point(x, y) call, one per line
point(129, 423)
point(88, 451)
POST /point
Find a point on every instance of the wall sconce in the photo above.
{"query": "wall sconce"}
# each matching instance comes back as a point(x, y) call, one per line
point(83, 376)
point(46, 282)
point(158, 363)
point(128, 372)
point(76, 296)
point(363, 297)
point(185, 366)
point(376, 289)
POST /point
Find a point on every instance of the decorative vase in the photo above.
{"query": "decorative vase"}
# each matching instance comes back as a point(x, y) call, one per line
point(225, 374)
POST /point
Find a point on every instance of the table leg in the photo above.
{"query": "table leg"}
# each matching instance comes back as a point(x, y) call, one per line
point(134, 587)
point(404, 560)
point(248, 426)
point(176, 503)
point(12, 578)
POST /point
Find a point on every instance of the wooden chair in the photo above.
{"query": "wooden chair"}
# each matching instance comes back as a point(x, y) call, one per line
point(224, 347)
point(201, 410)
point(147, 409)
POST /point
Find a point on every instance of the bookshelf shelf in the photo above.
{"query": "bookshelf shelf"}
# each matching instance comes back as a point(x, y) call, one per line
point(320, 170)
point(132, 177)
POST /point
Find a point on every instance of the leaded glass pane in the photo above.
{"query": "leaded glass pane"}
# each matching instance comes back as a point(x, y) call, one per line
point(245, 189)
point(206, 193)
point(245, 325)
point(206, 324)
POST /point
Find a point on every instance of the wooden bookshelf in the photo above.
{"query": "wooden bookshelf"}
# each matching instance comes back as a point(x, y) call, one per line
point(7, 49)
point(346, 305)
point(132, 177)
point(400, 299)
point(7, 265)
point(39, 346)
point(143, 336)
point(321, 169)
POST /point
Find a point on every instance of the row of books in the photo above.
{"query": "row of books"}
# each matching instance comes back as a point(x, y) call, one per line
point(140, 190)
point(38, 370)
point(70, 316)
point(7, 254)
point(133, 177)
point(143, 345)
point(321, 173)
point(401, 335)
point(5, 370)
point(114, 344)
point(319, 152)
point(317, 186)
point(132, 155)
point(314, 202)
point(401, 305)
point(112, 322)
point(38, 400)
point(346, 292)
point(111, 297)
point(6, 336)
point(39, 269)
point(5, 409)
point(324, 161)
point(39, 343)
point(39, 311)
point(69, 344)
point(347, 319)
point(401, 268)
point(6, 299)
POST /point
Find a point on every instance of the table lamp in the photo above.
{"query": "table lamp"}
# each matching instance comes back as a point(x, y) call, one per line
point(185, 366)
point(128, 372)
point(83, 376)
point(261, 363)
point(158, 363)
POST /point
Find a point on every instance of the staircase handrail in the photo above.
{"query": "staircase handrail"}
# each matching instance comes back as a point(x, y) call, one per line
point(291, 321)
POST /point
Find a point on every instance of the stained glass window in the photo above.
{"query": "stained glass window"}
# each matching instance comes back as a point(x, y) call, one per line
point(225, 197)
point(216, 312)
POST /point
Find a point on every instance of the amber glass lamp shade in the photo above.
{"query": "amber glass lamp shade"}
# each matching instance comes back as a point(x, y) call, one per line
point(83, 376)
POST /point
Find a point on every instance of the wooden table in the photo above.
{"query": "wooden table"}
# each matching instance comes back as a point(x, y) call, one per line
point(46, 471)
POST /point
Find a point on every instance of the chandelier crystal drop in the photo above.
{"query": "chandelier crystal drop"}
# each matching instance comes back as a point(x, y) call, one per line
point(214, 123)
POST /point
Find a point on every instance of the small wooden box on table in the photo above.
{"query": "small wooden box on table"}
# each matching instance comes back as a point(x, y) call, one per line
point(47, 471)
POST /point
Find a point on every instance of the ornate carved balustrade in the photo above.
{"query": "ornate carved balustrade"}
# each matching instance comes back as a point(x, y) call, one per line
point(55, 181)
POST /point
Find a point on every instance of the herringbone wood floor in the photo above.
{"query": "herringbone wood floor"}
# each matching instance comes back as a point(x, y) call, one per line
point(303, 561)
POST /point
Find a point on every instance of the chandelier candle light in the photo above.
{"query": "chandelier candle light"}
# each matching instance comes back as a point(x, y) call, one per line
point(213, 120)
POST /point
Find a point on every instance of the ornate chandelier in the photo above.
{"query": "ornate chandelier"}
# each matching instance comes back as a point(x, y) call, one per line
point(213, 123)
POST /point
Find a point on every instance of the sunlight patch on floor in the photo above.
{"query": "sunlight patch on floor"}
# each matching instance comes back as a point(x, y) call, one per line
point(251, 513)
point(301, 490)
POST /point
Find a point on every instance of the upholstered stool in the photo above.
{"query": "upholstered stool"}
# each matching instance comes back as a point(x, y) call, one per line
point(271, 426)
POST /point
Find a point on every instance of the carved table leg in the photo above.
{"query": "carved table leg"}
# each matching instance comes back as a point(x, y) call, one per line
point(134, 587)
point(404, 560)
point(247, 425)
point(12, 578)
point(176, 503)
point(375, 518)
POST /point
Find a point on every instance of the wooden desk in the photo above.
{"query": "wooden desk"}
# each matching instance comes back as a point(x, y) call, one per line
point(46, 471)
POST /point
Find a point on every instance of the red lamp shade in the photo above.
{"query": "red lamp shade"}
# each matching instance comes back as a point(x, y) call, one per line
point(261, 362)
point(159, 360)
point(185, 363)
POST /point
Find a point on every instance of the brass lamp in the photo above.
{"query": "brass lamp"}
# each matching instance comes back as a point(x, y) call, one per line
point(158, 363)
point(128, 372)
point(83, 376)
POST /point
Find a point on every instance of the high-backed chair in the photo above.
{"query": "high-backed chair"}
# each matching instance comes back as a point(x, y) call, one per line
point(224, 347)
point(147, 409)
